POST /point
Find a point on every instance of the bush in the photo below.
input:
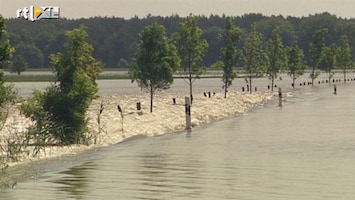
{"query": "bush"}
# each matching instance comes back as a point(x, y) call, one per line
point(60, 110)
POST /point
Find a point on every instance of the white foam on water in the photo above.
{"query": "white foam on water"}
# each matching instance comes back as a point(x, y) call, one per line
point(166, 117)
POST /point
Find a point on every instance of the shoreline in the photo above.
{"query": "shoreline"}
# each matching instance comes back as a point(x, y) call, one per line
point(166, 118)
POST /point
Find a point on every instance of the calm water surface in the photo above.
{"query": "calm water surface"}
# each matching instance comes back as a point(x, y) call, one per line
point(306, 150)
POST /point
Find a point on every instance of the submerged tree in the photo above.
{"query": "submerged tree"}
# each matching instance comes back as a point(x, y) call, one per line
point(276, 54)
point(255, 58)
point(192, 47)
point(61, 109)
point(316, 48)
point(344, 56)
point(230, 53)
point(295, 62)
point(330, 59)
point(155, 62)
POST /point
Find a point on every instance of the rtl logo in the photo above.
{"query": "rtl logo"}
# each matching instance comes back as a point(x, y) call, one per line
point(36, 13)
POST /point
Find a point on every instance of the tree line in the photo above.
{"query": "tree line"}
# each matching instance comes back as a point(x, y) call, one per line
point(115, 39)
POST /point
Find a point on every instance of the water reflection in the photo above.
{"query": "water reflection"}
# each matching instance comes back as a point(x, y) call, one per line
point(173, 172)
point(75, 181)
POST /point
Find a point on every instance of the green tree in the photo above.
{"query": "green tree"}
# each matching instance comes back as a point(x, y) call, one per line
point(330, 59)
point(61, 109)
point(276, 54)
point(230, 53)
point(19, 65)
point(344, 56)
point(191, 48)
point(7, 93)
point(6, 51)
point(255, 58)
point(316, 48)
point(155, 62)
point(33, 56)
point(295, 62)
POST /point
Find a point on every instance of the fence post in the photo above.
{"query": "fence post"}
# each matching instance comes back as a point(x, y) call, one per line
point(280, 97)
point(188, 113)
point(122, 116)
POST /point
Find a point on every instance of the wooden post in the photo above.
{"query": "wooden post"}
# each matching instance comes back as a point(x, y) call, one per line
point(280, 97)
point(188, 113)
point(122, 116)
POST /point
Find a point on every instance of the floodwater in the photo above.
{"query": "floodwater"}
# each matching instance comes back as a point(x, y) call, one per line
point(304, 150)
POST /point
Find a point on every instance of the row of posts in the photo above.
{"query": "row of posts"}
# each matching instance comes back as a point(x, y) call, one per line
point(188, 104)
point(187, 111)
point(188, 107)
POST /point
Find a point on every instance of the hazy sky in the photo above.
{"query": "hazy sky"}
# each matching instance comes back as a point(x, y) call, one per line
point(141, 8)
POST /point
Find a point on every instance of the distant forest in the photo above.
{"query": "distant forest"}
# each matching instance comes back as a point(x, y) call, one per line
point(115, 39)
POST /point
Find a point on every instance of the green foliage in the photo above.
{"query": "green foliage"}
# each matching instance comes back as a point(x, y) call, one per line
point(61, 109)
point(30, 53)
point(217, 65)
point(276, 54)
point(288, 33)
point(19, 65)
point(6, 51)
point(330, 59)
point(344, 56)
point(230, 53)
point(192, 48)
point(116, 38)
point(156, 60)
point(295, 62)
point(8, 96)
point(316, 48)
point(7, 93)
point(255, 57)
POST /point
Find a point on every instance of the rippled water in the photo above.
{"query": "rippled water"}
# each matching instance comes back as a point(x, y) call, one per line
point(305, 150)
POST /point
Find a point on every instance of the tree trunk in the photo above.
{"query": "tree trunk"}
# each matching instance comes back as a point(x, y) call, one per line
point(190, 82)
point(151, 99)
point(250, 84)
point(344, 75)
point(225, 89)
point(293, 81)
point(272, 83)
point(312, 75)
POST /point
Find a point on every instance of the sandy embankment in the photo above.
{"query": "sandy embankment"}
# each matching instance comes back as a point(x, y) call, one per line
point(166, 116)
